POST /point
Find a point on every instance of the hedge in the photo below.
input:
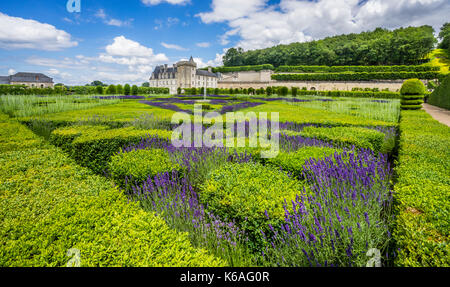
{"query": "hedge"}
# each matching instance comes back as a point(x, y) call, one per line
point(356, 69)
point(352, 94)
point(348, 136)
point(78, 90)
point(255, 68)
point(441, 95)
point(138, 165)
point(422, 192)
point(244, 192)
point(357, 76)
point(294, 162)
point(50, 205)
point(93, 147)
point(413, 93)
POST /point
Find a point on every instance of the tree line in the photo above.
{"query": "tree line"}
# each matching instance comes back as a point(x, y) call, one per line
point(404, 46)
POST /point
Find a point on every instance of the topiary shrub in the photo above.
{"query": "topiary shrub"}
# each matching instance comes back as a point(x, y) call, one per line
point(441, 95)
point(138, 165)
point(245, 192)
point(413, 93)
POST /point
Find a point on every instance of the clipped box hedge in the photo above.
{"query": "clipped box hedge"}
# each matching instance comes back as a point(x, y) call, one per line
point(348, 76)
point(348, 136)
point(356, 69)
point(49, 205)
point(93, 147)
point(244, 192)
point(138, 165)
point(293, 162)
point(422, 192)
point(441, 95)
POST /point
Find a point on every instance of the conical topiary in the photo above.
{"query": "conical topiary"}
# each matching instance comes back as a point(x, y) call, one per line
point(413, 93)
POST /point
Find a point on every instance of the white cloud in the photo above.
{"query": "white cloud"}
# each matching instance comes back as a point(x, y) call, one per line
point(157, 2)
point(227, 10)
point(173, 47)
point(203, 45)
point(108, 66)
point(11, 72)
point(19, 33)
point(111, 21)
point(260, 25)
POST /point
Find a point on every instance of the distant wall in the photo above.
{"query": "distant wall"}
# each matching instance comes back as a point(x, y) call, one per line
point(34, 85)
point(247, 76)
point(393, 86)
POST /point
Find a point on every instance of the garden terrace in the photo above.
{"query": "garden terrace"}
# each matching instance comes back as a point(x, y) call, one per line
point(50, 205)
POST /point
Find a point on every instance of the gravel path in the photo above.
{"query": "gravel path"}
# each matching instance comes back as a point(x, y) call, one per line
point(439, 114)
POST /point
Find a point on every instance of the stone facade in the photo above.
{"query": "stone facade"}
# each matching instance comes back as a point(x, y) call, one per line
point(183, 75)
point(31, 80)
point(393, 86)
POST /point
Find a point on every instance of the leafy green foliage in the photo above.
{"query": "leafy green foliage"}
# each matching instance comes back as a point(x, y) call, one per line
point(50, 205)
point(412, 92)
point(93, 147)
point(244, 192)
point(293, 162)
point(355, 69)
point(350, 76)
point(413, 87)
point(422, 192)
point(127, 90)
point(138, 165)
point(404, 46)
point(348, 136)
point(441, 95)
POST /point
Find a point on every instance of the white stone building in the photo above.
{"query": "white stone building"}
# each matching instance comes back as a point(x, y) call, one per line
point(183, 75)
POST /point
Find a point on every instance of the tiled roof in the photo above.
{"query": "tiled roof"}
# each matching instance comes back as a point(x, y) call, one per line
point(206, 73)
point(4, 80)
point(31, 78)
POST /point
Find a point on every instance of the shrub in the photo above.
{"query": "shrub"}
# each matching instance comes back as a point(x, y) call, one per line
point(99, 90)
point(269, 91)
point(412, 92)
point(413, 87)
point(356, 69)
point(350, 76)
point(50, 205)
point(294, 162)
point(441, 95)
point(283, 91)
point(138, 165)
point(422, 192)
point(119, 89)
point(93, 148)
point(348, 136)
point(127, 90)
point(244, 192)
point(135, 90)
point(294, 91)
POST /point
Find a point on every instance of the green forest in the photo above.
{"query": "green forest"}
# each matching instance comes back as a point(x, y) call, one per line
point(404, 46)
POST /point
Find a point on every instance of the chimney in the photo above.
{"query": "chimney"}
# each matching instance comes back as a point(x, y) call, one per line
point(210, 69)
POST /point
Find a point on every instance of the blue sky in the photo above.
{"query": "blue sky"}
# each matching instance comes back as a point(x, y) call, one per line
point(122, 41)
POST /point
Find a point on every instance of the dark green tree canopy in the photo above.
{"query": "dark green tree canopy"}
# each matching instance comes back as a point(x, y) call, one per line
point(404, 46)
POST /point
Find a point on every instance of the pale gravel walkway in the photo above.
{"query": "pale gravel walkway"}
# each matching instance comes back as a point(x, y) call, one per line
point(439, 114)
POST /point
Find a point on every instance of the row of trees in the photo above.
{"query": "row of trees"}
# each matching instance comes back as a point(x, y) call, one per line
point(404, 46)
point(444, 35)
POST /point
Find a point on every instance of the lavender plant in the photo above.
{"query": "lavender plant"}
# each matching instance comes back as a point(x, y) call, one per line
point(345, 215)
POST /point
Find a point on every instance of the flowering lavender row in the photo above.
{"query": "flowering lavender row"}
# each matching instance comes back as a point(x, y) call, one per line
point(174, 198)
point(343, 215)
point(166, 106)
point(237, 107)
point(129, 97)
point(294, 143)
